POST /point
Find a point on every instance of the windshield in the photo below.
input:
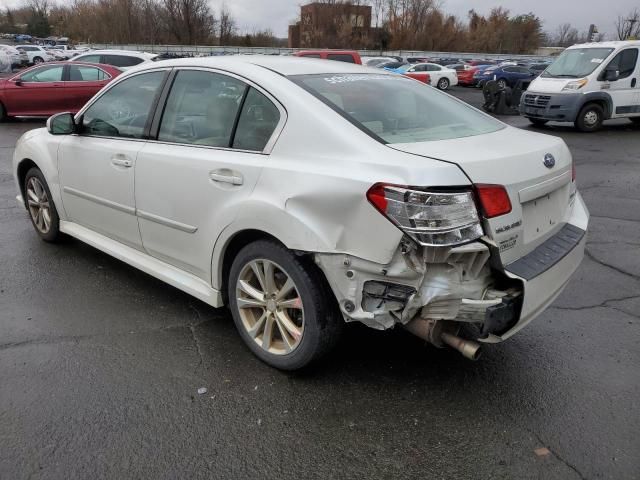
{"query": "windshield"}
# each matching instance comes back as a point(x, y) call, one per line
point(396, 109)
point(404, 68)
point(577, 62)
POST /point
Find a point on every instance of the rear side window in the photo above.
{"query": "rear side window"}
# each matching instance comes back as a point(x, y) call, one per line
point(625, 62)
point(78, 73)
point(201, 109)
point(121, 60)
point(341, 57)
point(258, 120)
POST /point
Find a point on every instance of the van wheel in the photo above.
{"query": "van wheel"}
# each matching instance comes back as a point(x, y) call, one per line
point(282, 306)
point(42, 210)
point(443, 83)
point(537, 122)
point(590, 118)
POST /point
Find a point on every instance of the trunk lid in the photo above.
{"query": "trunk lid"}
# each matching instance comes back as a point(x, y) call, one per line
point(540, 194)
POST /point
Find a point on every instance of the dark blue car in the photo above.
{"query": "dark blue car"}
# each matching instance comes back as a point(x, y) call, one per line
point(506, 76)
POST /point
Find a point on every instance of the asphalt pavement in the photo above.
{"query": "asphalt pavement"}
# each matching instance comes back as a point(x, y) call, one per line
point(100, 368)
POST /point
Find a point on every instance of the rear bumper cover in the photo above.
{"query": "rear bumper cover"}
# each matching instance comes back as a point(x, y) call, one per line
point(546, 271)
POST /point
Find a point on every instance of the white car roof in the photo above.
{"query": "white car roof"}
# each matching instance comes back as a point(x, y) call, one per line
point(614, 44)
point(283, 65)
point(130, 53)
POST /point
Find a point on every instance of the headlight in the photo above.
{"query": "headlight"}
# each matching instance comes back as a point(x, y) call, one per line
point(575, 85)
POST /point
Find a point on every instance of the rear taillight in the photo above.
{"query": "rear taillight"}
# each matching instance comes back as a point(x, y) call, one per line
point(431, 218)
point(494, 200)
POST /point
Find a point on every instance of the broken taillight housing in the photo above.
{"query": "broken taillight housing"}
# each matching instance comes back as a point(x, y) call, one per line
point(431, 218)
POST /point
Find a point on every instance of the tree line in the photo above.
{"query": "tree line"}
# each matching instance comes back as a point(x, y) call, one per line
point(397, 25)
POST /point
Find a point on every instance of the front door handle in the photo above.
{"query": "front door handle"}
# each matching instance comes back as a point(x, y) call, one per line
point(121, 161)
point(226, 176)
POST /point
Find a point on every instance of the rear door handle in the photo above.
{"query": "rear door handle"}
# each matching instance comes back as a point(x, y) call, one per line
point(633, 83)
point(233, 178)
point(121, 161)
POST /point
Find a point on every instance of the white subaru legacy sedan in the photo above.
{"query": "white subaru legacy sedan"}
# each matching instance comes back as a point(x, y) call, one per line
point(305, 193)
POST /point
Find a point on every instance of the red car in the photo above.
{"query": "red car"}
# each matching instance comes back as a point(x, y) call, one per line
point(51, 88)
point(420, 76)
point(465, 77)
point(348, 56)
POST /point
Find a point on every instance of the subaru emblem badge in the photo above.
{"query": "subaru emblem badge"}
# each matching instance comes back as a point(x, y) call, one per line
point(549, 161)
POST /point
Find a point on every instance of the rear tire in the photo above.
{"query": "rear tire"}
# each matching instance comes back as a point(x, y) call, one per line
point(590, 118)
point(537, 122)
point(3, 113)
point(443, 83)
point(40, 206)
point(38, 60)
point(282, 306)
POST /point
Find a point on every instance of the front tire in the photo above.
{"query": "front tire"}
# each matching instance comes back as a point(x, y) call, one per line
point(3, 113)
point(590, 118)
point(443, 83)
point(282, 306)
point(42, 210)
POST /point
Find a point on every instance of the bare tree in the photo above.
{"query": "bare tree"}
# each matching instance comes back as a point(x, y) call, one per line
point(628, 26)
point(226, 26)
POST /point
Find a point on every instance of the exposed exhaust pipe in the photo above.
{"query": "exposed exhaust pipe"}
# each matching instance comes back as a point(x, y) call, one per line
point(467, 348)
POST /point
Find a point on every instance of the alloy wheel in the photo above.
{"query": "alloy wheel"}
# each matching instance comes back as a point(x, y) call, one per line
point(270, 306)
point(39, 206)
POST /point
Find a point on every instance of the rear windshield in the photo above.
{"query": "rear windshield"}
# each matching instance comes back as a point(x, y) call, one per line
point(396, 109)
point(577, 62)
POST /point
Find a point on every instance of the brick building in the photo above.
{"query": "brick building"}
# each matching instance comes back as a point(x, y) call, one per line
point(324, 25)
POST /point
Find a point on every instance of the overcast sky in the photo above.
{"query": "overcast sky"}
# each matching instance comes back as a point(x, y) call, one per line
point(277, 14)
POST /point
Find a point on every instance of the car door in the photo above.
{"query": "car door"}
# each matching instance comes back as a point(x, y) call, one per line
point(81, 83)
point(96, 165)
point(212, 141)
point(38, 91)
point(625, 91)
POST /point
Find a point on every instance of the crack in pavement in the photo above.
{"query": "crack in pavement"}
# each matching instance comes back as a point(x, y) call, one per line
point(560, 458)
point(77, 338)
point(612, 267)
point(615, 218)
point(192, 329)
point(604, 304)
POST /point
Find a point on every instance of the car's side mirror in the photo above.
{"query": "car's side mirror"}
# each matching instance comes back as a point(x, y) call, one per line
point(18, 82)
point(61, 124)
point(611, 74)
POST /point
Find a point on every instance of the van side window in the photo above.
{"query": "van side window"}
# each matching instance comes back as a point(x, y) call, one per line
point(625, 62)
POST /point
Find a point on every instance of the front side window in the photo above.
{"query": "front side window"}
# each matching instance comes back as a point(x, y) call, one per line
point(201, 109)
point(122, 60)
point(341, 57)
point(577, 62)
point(624, 62)
point(124, 109)
point(44, 74)
point(395, 109)
point(89, 59)
point(79, 73)
point(258, 119)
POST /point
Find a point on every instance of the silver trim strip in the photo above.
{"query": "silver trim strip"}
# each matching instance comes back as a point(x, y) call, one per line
point(166, 222)
point(100, 201)
point(543, 188)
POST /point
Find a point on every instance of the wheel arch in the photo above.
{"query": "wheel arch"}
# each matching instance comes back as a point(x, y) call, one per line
point(602, 99)
point(24, 166)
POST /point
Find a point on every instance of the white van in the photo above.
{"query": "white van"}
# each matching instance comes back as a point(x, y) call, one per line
point(587, 84)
